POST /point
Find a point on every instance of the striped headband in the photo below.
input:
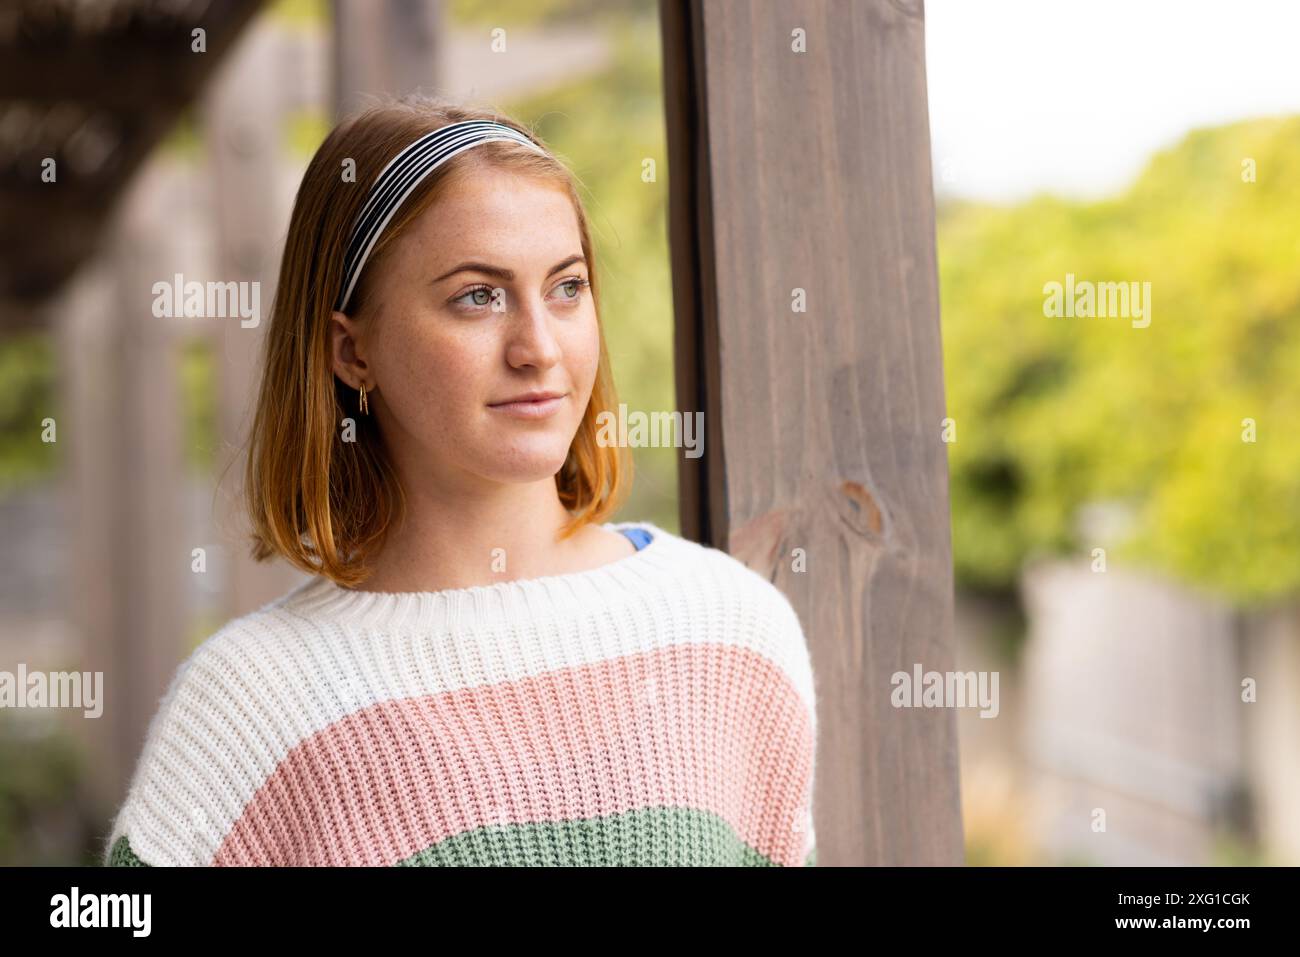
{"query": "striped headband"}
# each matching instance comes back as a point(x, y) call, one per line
point(398, 180)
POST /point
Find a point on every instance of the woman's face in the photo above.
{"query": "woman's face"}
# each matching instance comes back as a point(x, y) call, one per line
point(483, 299)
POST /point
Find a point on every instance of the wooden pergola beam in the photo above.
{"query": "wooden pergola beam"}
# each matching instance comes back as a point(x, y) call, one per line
point(807, 331)
point(133, 81)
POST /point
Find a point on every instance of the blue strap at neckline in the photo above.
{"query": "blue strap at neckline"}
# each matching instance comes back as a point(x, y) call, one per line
point(639, 536)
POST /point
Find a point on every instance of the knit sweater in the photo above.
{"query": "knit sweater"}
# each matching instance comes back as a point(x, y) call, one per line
point(656, 710)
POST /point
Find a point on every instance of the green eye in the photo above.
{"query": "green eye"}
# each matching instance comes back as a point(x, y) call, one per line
point(484, 290)
point(578, 284)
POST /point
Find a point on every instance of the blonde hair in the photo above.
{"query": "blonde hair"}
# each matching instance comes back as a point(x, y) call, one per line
point(325, 505)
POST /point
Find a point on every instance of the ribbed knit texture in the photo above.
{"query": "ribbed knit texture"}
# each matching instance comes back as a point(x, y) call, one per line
point(657, 710)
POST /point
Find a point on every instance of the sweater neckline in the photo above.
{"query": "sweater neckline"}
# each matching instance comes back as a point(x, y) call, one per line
point(499, 605)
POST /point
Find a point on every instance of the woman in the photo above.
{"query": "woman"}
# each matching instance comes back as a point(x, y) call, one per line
point(480, 669)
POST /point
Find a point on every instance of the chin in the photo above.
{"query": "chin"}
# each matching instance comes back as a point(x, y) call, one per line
point(528, 464)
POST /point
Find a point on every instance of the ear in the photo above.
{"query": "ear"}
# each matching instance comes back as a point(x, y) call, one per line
point(349, 364)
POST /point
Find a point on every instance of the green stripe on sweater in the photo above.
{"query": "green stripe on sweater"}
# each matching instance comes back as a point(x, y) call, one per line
point(122, 856)
point(651, 837)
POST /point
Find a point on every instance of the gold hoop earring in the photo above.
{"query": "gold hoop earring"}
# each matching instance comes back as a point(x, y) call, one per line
point(364, 405)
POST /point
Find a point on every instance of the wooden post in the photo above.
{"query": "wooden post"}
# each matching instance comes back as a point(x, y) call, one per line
point(130, 562)
point(388, 48)
point(807, 331)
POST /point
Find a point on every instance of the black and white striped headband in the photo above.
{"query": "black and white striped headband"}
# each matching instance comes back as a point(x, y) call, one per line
point(398, 180)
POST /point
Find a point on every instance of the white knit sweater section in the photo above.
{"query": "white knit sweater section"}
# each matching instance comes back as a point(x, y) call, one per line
point(221, 776)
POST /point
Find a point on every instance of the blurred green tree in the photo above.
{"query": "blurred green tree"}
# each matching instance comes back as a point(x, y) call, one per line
point(1054, 413)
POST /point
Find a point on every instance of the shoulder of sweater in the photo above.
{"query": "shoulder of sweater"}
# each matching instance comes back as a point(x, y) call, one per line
point(206, 730)
point(272, 617)
point(749, 581)
point(221, 655)
point(204, 699)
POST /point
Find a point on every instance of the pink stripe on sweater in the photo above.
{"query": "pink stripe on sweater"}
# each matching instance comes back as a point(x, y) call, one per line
point(706, 726)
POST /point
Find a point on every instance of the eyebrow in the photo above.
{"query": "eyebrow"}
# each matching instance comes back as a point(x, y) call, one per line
point(506, 274)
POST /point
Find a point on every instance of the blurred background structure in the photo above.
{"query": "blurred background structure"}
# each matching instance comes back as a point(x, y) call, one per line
point(1125, 499)
point(1127, 547)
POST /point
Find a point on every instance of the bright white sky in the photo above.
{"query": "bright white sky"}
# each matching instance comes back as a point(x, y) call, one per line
point(1073, 96)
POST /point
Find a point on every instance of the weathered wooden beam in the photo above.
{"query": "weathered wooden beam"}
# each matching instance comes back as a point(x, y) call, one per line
point(389, 48)
point(119, 77)
point(141, 89)
point(121, 392)
point(807, 324)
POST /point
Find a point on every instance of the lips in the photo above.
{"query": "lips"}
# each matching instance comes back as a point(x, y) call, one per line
point(528, 397)
point(534, 405)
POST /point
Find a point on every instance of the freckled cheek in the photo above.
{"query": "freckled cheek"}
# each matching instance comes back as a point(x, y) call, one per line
point(582, 354)
point(441, 378)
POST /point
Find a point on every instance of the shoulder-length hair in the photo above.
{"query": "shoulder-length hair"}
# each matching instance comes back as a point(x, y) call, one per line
point(324, 504)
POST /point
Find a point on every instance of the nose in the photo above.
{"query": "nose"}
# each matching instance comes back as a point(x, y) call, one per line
point(531, 340)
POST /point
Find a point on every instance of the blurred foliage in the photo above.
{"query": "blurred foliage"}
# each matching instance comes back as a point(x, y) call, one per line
point(198, 389)
point(40, 823)
point(1056, 413)
point(1230, 850)
point(301, 13)
point(184, 141)
point(27, 365)
point(304, 132)
point(203, 624)
point(29, 396)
